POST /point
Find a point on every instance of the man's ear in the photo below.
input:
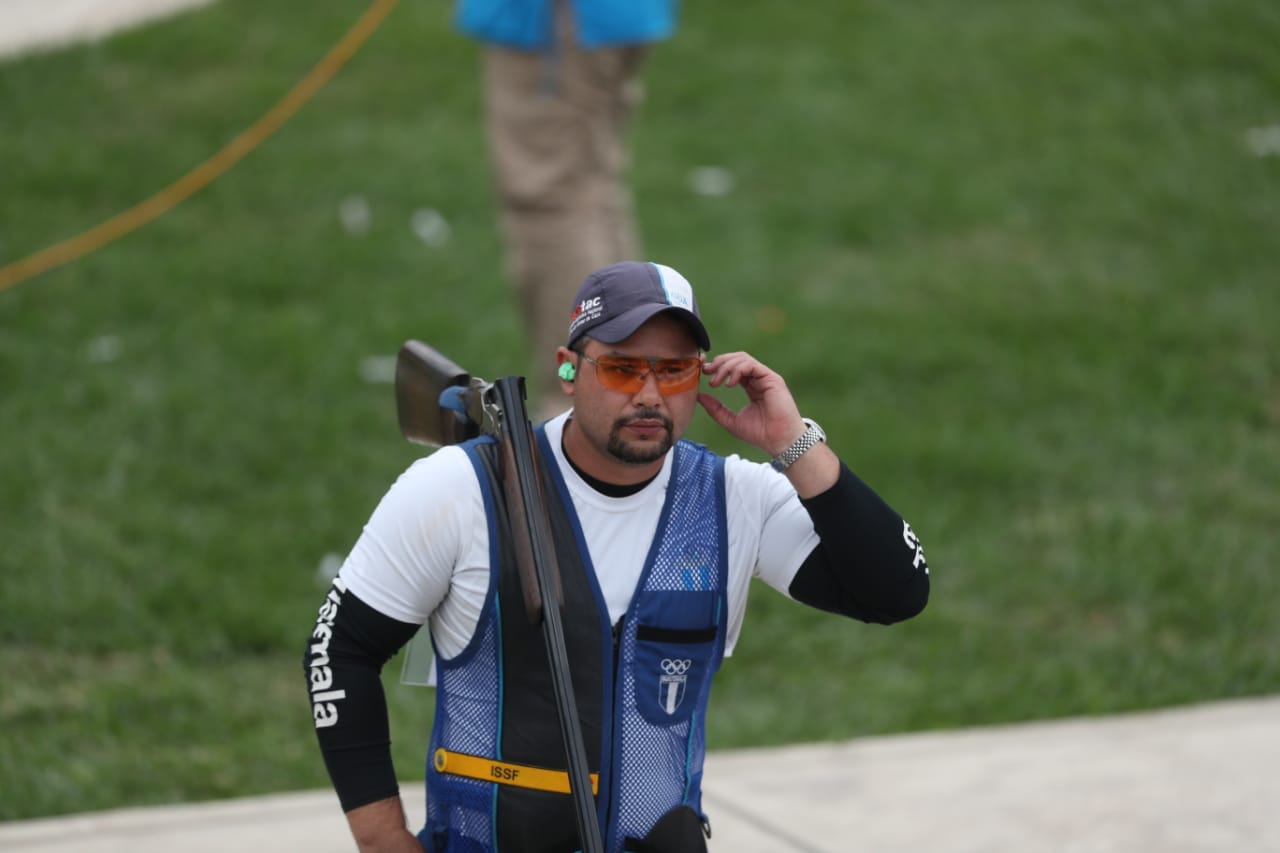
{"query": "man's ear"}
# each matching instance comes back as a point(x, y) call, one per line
point(567, 367)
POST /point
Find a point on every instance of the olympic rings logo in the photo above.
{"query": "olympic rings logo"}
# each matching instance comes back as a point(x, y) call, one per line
point(675, 666)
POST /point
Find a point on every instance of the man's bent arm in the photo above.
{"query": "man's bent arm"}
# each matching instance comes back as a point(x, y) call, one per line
point(869, 564)
point(343, 661)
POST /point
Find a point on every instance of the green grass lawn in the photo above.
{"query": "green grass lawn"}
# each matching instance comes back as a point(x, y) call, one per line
point(1020, 259)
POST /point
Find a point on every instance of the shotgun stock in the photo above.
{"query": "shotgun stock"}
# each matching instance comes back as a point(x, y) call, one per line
point(437, 402)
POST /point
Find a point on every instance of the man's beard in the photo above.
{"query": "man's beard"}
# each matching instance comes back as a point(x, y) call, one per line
point(626, 452)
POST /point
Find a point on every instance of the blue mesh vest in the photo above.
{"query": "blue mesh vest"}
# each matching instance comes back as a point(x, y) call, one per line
point(641, 687)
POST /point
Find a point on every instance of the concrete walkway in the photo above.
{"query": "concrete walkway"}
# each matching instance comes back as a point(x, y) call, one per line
point(32, 25)
point(1201, 779)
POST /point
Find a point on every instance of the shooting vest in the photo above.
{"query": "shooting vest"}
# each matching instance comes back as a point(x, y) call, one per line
point(496, 770)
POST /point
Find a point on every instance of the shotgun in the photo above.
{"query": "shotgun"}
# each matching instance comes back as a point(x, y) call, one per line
point(437, 404)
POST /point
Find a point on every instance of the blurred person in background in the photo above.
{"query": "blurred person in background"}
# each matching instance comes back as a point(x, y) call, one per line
point(562, 81)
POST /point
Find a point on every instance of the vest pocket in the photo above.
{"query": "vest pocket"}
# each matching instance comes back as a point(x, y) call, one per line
point(457, 810)
point(671, 665)
point(436, 839)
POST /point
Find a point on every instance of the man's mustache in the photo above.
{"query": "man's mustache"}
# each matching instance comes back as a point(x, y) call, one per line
point(644, 415)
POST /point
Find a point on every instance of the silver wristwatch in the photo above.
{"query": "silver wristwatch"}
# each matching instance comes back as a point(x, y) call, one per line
point(812, 435)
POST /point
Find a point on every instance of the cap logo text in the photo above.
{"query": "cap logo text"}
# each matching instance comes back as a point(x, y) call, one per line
point(588, 310)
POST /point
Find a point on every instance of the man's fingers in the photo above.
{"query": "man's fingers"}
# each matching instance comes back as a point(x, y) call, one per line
point(726, 417)
point(718, 373)
point(719, 412)
point(732, 369)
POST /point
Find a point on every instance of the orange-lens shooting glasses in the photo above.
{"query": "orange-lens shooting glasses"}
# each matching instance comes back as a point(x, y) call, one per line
point(628, 374)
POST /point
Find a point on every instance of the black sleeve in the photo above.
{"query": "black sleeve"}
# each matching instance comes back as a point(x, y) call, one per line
point(344, 658)
point(869, 565)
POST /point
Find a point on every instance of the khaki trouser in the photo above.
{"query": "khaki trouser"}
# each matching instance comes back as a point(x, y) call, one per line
point(557, 124)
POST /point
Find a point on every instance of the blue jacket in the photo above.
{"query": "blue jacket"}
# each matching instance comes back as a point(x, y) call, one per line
point(529, 23)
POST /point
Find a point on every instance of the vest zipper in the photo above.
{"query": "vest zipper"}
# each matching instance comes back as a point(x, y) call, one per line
point(607, 785)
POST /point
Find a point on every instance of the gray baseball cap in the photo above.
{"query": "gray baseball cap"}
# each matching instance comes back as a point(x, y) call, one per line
point(615, 301)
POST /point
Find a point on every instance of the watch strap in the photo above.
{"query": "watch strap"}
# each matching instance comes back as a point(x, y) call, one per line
point(811, 436)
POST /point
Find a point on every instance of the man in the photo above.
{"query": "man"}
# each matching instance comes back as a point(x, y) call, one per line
point(656, 539)
point(562, 80)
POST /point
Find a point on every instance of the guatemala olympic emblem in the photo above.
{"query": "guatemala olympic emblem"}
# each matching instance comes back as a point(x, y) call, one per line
point(671, 683)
